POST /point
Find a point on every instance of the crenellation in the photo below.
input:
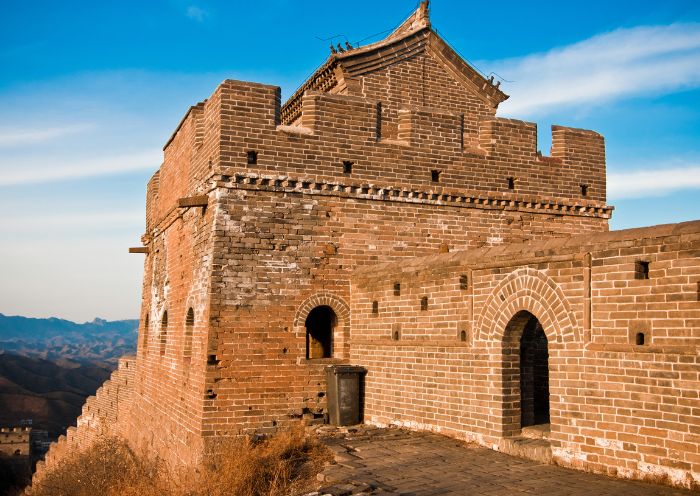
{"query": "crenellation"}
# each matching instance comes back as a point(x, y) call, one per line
point(441, 147)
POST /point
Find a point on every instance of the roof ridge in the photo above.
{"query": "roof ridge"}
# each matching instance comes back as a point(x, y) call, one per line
point(333, 71)
point(419, 19)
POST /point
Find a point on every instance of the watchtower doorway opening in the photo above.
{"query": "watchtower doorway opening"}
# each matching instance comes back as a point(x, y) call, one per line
point(525, 374)
point(320, 325)
point(534, 375)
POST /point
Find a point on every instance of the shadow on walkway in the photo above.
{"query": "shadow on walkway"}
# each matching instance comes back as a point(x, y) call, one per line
point(397, 462)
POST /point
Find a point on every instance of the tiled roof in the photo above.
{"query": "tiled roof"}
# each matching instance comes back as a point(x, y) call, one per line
point(412, 37)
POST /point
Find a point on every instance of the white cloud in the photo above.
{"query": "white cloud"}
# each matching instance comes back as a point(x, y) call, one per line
point(196, 13)
point(74, 219)
point(63, 169)
point(652, 182)
point(644, 60)
point(16, 137)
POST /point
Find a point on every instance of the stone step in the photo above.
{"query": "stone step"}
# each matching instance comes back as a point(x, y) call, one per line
point(540, 431)
point(538, 450)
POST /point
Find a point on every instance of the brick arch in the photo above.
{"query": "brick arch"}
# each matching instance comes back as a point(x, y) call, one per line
point(194, 302)
point(342, 313)
point(338, 304)
point(534, 291)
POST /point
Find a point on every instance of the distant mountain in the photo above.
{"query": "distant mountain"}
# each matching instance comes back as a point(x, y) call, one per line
point(95, 342)
point(46, 392)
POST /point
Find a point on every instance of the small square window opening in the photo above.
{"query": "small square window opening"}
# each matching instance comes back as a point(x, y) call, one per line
point(641, 269)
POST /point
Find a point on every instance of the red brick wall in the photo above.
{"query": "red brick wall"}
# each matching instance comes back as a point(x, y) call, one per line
point(282, 248)
point(422, 82)
point(337, 128)
point(615, 407)
point(170, 387)
point(288, 230)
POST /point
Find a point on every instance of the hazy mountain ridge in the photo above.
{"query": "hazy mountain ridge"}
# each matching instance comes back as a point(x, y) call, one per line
point(96, 342)
point(46, 392)
point(49, 366)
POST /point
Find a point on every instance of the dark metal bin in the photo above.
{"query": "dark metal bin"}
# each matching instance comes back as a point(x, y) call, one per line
point(345, 389)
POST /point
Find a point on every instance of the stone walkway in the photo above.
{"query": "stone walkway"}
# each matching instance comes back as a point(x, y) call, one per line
point(397, 462)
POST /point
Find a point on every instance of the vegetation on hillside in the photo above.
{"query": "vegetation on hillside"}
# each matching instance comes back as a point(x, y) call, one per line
point(285, 464)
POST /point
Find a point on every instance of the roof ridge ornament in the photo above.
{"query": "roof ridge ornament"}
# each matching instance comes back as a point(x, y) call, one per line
point(419, 19)
point(424, 10)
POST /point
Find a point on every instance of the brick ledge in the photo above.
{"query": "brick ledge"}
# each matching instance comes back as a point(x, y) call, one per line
point(442, 196)
point(633, 348)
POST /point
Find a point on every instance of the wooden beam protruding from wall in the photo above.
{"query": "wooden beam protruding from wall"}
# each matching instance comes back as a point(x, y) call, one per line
point(193, 201)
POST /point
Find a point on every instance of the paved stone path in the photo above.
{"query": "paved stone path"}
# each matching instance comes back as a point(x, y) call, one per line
point(397, 462)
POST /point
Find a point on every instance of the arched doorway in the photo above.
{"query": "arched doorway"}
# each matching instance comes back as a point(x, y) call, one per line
point(534, 375)
point(320, 324)
point(525, 373)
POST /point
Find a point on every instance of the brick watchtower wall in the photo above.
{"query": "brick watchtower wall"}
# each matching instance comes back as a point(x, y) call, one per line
point(621, 316)
point(172, 348)
point(252, 224)
point(15, 441)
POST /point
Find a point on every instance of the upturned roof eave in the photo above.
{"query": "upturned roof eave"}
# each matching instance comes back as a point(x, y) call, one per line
point(403, 32)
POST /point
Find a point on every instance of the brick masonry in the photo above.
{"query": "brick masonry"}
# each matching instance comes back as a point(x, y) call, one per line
point(105, 413)
point(616, 406)
point(391, 153)
point(15, 441)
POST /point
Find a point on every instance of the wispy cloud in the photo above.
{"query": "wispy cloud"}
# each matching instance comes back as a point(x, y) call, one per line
point(644, 60)
point(32, 136)
point(74, 219)
point(196, 13)
point(653, 182)
point(62, 170)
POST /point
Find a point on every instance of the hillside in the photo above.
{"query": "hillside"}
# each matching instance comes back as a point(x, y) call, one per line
point(95, 342)
point(50, 394)
point(49, 366)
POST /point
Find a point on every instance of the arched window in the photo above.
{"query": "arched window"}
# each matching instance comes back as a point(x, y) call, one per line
point(319, 332)
point(189, 325)
point(163, 332)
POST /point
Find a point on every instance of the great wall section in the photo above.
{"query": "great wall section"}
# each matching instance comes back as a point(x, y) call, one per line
point(105, 413)
point(384, 217)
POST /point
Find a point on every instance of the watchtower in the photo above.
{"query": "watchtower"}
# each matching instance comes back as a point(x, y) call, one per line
point(261, 211)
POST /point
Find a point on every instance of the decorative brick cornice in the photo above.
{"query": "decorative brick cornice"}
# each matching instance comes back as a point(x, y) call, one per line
point(440, 196)
point(375, 192)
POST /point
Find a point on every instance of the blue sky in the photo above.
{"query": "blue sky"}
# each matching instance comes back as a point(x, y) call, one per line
point(90, 91)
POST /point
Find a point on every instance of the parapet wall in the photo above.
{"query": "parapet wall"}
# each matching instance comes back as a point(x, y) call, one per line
point(337, 128)
point(104, 414)
point(429, 151)
point(621, 314)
